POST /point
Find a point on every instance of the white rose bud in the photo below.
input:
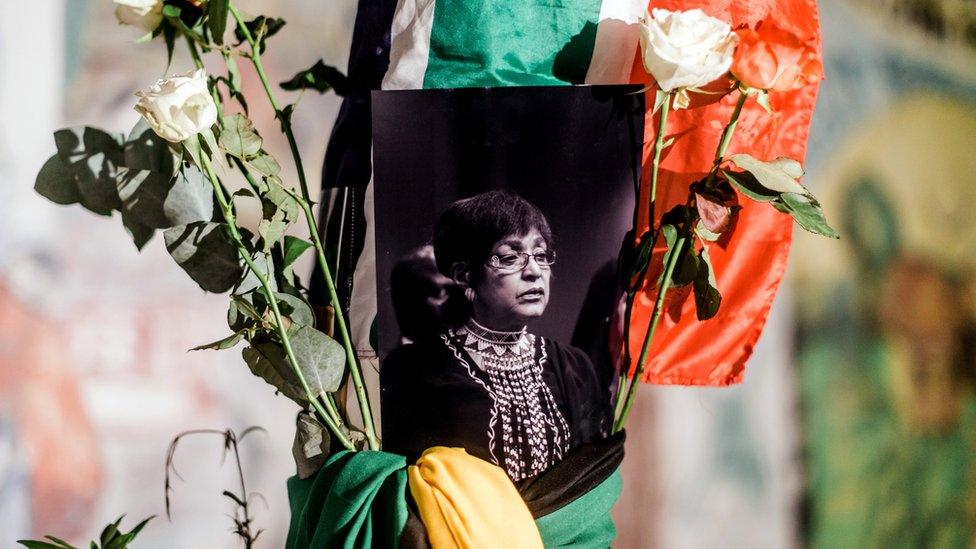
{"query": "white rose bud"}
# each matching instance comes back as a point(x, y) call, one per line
point(178, 107)
point(144, 14)
point(685, 49)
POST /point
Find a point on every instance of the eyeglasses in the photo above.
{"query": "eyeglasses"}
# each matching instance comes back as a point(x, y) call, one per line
point(516, 261)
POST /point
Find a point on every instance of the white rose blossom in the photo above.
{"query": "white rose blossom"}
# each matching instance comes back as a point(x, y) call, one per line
point(685, 49)
point(178, 107)
point(144, 14)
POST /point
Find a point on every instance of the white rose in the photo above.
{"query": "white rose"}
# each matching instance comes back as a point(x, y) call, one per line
point(178, 107)
point(144, 14)
point(683, 49)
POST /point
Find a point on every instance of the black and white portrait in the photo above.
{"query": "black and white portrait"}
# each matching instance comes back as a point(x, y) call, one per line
point(499, 216)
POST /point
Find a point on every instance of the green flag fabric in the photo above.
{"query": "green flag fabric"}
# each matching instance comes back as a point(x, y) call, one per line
point(359, 500)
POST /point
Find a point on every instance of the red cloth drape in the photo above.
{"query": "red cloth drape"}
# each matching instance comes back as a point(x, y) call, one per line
point(750, 265)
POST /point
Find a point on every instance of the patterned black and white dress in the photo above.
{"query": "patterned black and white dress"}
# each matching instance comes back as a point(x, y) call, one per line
point(515, 399)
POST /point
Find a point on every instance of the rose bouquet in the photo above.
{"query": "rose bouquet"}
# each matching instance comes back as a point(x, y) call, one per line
point(695, 58)
point(170, 173)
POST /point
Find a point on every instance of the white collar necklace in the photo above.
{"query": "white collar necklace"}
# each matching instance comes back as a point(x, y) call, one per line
point(482, 339)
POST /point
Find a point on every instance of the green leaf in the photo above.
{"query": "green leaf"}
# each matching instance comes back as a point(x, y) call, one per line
point(300, 313)
point(261, 28)
point(238, 137)
point(61, 543)
point(159, 200)
point(269, 362)
point(94, 157)
point(207, 253)
point(807, 212)
point(145, 150)
point(321, 78)
point(79, 143)
point(294, 248)
point(265, 163)
point(748, 185)
point(138, 527)
point(30, 544)
point(686, 269)
point(242, 313)
point(707, 297)
point(321, 358)
point(141, 234)
point(250, 281)
point(670, 233)
point(217, 18)
point(311, 446)
point(221, 344)
point(169, 37)
point(56, 182)
point(779, 175)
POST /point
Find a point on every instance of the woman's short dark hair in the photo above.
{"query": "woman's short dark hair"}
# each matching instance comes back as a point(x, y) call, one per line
point(468, 228)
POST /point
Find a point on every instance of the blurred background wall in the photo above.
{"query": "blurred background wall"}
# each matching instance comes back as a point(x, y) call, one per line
point(855, 426)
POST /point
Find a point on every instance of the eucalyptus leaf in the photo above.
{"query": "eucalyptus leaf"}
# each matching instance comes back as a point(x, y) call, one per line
point(143, 193)
point(76, 144)
point(321, 78)
point(321, 358)
point(242, 313)
point(56, 182)
point(250, 281)
point(265, 163)
point(311, 446)
point(270, 362)
point(807, 212)
point(238, 137)
point(707, 297)
point(207, 253)
point(140, 233)
point(779, 175)
point(300, 312)
point(145, 150)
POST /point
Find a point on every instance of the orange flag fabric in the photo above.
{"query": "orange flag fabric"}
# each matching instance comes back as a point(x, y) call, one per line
point(750, 265)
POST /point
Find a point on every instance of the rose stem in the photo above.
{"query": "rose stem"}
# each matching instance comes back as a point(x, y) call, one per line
point(279, 325)
point(656, 163)
point(357, 379)
point(285, 120)
point(354, 367)
point(218, 100)
point(658, 308)
point(719, 153)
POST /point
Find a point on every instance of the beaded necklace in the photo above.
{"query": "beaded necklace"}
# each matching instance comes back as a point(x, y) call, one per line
point(534, 433)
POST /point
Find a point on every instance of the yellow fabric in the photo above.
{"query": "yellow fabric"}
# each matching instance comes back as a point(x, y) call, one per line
point(466, 502)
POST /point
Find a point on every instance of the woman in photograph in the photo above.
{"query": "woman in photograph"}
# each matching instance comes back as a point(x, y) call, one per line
point(489, 385)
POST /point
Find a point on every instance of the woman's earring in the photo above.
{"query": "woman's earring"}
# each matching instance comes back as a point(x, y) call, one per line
point(469, 294)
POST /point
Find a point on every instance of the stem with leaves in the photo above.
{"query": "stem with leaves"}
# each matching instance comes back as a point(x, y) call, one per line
point(356, 374)
point(283, 117)
point(623, 405)
point(305, 202)
point(649, 336)
point(228, 214)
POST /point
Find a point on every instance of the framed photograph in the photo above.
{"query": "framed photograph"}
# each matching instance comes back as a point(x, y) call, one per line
point(499, 215)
